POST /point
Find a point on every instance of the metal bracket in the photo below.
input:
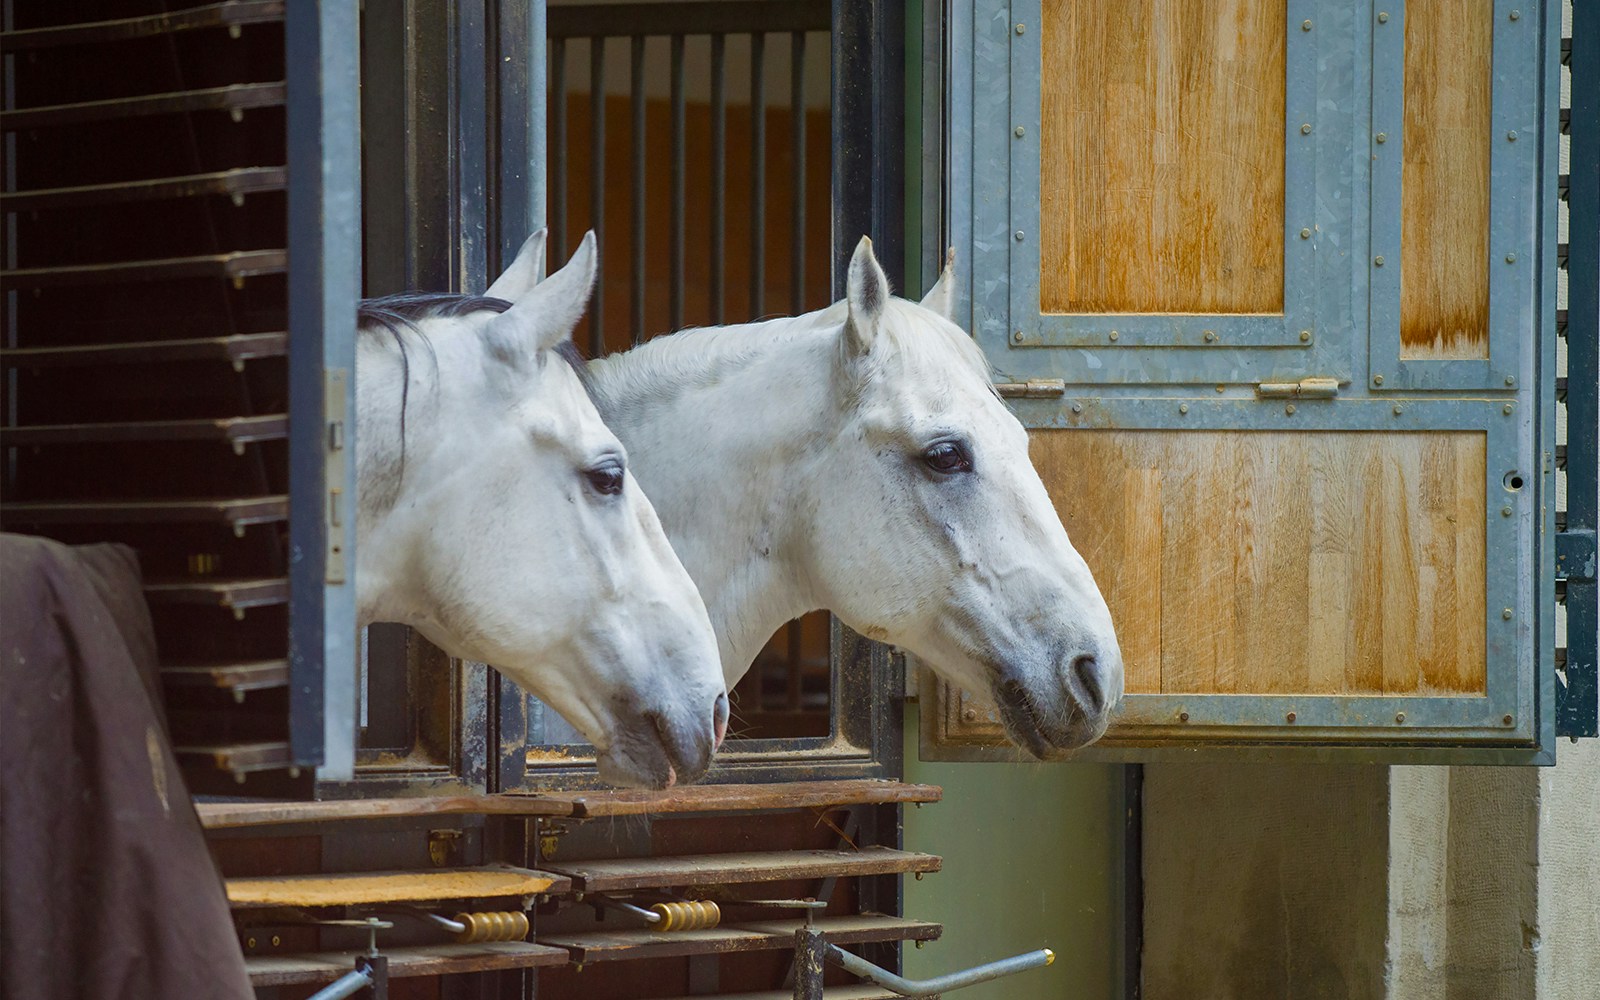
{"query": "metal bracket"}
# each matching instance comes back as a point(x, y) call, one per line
point(336, 459)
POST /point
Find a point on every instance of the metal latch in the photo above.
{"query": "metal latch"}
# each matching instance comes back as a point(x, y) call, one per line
point(1306, 388)
point(1034, 388)
point(336, 456)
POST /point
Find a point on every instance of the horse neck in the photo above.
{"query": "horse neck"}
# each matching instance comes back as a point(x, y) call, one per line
point(741, 397)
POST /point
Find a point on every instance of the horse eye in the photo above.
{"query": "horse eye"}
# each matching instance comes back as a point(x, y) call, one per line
point(606, 479)
point(948, 457)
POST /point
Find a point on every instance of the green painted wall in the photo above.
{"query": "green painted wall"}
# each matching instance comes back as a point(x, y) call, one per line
point(1032, 859)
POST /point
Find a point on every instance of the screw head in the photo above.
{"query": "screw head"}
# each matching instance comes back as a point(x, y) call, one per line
point(276, 940)
point(1377, 261)
point(1305, 129)
point(1016, 338)
point(1505, 512)
point(1305, 25)
point(1511, 380)
point(1377, 380)
point(1398, 409)
point(1305, 234)
point(1289, 717)
point(970, 715)
point(1022, 29)
point(1382, 137)
point(1114, 335)
point(1506, 614)
point(1399, 716)
point(1516, 15)
point(1183, 407)
point(1383, 17)
point(1305, 336)
point(1506, 409)
point(1506, 719)
point(1019, 235)
point(1077, 407)
point(1289, 410)
point(1210, 335)
point(1019, 131)
point(1183, 716)
point(1511, 136)
point(1511, 258)
point(249, 942)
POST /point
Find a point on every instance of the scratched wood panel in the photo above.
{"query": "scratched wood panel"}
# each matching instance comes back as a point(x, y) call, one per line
point(1259, 562)
point(1162, 157)
point(1444, 198)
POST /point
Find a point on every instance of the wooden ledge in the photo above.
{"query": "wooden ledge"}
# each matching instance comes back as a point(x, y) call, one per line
point(362, 888)
point(612, 875)
point(739, 798)
point(773, 935)
point(231, 815)
point(430, 960)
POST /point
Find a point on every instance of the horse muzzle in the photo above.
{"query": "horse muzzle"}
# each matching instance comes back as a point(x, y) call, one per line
point(663, 747)
point(1066, 707)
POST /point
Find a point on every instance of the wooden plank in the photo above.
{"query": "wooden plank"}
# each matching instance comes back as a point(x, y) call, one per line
point(628, 945)
point(404, 963)
point(1162, 157)
point(229, 815)
point(722, 798)
point(1332, 563)
point(756, 866)
point(1444, 195)
point(353, 888)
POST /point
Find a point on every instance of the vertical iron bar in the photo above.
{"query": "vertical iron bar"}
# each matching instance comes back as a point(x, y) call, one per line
point(796, 680)
point(556, 246)
point(679, 127)
point(636, 226)
point(719, 172)
point(597, 188)
point(758, 172)
point(797, 197)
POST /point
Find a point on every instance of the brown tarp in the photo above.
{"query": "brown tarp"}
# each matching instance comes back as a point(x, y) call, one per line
point(107, 889)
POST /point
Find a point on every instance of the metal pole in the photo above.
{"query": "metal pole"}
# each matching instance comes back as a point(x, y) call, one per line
point(809, 950)
point(346, 985)
point(941, 984)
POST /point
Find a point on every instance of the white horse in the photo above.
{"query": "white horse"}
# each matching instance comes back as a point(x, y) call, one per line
point(857, 459)
point(498, 517)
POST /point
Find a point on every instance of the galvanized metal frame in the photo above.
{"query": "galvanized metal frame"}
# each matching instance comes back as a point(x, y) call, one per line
point(1138, 387)
point(321, 43)
point(1031, 327)
point(1514, 160)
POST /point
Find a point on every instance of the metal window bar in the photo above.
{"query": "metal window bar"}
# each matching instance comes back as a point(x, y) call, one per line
point(719, 173)
point(597, 183)
point(557, 243)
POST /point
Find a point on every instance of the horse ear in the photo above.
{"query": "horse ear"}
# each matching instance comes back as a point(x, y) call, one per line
point(941, 298)
point(546, 315)
point(523, 273)
point(866, 295)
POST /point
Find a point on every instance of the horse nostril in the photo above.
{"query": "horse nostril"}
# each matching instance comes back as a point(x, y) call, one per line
point(1087, 670)
point(719, 715)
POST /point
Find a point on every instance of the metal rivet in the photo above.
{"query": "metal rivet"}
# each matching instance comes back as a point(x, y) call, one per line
point(1019, 131)
point(1022, 29)
point(1220, 388)
point(1505, 512)
point(1305, 129)
point(1305, 336)
point(1305, 234)
point(1377, 380)
point(1018, 234)
point(1506, 409)
point(1398, 409)
point(1511, 380)
point(1114, 335)
point(1289, 410)
point(276, 940)
point(1383, 137)
point(1377, 261)
point(1210, 335)
point(1516, 15)
point(249, 942)
point(1290, 717)
point(1507, 614)
point(970, 715)
point(1506, 719)
point(1016, 338)
point(1383, 17)
point(1077, 407)
point(1511, 258)
point(1183, 407)
point(1183, 716)
point(1511, 137)
point(1305, 25)
point(1399, 716)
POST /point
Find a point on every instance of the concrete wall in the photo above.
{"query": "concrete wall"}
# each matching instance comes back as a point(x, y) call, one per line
point(1404, 883)
point(1032, 855)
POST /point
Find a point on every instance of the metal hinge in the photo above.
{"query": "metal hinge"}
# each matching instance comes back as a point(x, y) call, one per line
point(1034, 388)
point(1307, 388)
point(336, 458)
